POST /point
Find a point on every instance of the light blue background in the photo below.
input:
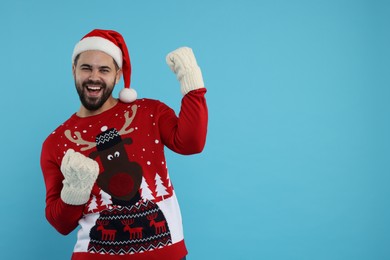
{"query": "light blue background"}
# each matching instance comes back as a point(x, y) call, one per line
point(296, 164)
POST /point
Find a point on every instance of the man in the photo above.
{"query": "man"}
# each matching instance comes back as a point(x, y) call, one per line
point(104, 168)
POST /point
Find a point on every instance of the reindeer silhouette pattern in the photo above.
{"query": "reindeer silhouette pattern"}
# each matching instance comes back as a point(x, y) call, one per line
point(107, 234)
point(136, 228)
point(135, 232)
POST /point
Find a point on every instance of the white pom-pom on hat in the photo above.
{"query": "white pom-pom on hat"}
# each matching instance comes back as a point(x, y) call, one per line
point(127, 95)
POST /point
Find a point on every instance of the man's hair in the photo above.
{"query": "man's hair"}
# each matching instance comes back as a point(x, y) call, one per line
point(78, 56)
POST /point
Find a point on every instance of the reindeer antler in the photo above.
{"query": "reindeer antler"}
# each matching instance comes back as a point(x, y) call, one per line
point(79, 140)
point(127, 222)
point(102, 222)
point(152, 216)
point(128, 121)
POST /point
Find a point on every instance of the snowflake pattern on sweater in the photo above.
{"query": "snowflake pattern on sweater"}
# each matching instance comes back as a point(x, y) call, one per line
point(133, 207)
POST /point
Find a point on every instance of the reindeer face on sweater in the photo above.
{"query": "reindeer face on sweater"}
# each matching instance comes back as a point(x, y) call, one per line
point(120, 178)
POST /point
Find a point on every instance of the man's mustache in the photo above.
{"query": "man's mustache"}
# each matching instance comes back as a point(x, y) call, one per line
point(94, 82)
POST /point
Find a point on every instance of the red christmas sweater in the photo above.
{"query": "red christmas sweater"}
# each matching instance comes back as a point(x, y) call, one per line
point(132, 212)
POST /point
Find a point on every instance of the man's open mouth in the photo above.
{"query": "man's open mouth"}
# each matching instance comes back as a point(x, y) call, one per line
point(93, 91)
point(94, 88)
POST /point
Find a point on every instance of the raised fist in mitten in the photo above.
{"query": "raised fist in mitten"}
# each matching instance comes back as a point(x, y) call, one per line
point(183, 63)
point(80, 174)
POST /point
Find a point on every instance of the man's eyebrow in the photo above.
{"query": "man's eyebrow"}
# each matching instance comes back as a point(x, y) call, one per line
point(100, 67)
point(86, 65)
point(105, 67)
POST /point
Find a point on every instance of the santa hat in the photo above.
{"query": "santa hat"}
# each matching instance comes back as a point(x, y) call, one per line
point(112, 43)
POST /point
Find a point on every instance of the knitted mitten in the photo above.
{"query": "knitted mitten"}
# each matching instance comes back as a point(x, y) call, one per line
point(80, 174)
point(183, 63)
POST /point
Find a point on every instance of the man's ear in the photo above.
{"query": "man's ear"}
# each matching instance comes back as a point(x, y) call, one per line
point(74, 70)
point(118, 76)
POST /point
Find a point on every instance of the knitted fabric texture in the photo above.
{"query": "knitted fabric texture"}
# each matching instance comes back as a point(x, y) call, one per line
point(183, 63)
point(80, 173)
point(132, 211)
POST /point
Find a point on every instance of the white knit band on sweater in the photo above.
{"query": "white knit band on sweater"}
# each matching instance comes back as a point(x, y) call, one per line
point(98, 44)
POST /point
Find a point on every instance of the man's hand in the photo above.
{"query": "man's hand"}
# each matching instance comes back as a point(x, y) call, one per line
point(183, 63)
point(80, 174)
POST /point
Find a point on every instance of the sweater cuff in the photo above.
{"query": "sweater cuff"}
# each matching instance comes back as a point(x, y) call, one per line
point(74, 197)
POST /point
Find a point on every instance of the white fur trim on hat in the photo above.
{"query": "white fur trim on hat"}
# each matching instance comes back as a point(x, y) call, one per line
point(95, 43)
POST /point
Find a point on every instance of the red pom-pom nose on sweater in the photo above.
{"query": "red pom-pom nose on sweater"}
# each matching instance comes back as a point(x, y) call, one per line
point(121, 184)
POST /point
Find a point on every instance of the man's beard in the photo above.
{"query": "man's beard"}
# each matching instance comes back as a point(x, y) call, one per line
point(94, 103)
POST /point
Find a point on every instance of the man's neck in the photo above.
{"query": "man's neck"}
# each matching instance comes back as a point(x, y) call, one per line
point(110, 103)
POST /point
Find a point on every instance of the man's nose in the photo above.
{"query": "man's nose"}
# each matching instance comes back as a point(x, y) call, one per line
point(94, 74)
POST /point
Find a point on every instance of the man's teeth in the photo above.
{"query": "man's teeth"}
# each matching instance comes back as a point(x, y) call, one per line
point(93, 88)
